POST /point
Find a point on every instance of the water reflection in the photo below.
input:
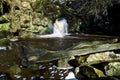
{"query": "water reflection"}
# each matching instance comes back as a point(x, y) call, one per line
point(15, 58)
point(50, 43)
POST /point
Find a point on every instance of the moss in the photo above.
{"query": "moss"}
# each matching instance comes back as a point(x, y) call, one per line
point(42, 12)
point(4, 42)
point(4, 27)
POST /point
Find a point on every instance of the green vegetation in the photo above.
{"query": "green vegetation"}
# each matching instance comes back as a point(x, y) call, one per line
point(29, 15)
point(4, 27)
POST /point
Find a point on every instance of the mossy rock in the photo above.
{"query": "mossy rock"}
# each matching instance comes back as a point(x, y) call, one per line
point(89, 72)
point(113, 69)
point(4, 42)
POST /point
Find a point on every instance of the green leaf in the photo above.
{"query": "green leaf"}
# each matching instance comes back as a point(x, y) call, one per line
point(4, 26)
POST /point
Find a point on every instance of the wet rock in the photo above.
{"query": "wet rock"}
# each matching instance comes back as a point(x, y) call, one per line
point(63, 63)
point(89, 72)
point(14, 70)
point(33, 58)
point(103, 57)
point(113, 69)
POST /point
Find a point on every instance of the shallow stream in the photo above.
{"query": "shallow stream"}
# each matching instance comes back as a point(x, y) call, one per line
point(18, 59)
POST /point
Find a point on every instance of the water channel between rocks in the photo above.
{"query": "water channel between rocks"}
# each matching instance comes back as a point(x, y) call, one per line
point(18, 59)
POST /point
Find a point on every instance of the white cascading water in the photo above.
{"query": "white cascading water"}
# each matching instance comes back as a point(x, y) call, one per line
point(70, 76)
point(60, 29)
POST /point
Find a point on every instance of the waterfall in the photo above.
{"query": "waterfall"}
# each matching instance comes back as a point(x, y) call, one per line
point(60, 28)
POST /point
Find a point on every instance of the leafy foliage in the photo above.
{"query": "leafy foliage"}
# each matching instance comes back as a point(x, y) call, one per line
point(47, 8)
point(4, 26)
point(34, 11)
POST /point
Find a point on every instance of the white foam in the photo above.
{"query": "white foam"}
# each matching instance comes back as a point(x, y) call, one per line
point(3, 48)
point(70, 76)
point(60, 29)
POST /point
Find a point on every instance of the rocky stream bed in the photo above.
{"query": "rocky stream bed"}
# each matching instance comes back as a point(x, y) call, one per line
point(88, 57)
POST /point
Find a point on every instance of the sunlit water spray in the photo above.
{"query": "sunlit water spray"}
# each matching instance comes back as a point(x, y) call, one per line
point(60, 29)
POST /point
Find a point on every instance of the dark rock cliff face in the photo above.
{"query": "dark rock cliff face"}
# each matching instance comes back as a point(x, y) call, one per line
point(107, 23)
point(114, 19)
